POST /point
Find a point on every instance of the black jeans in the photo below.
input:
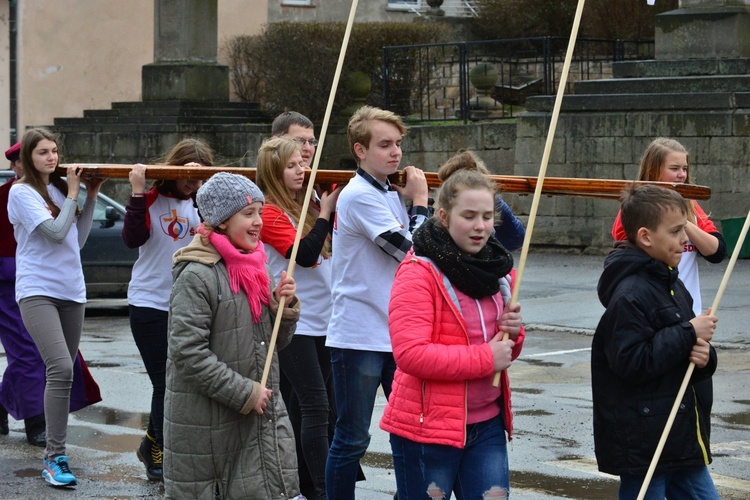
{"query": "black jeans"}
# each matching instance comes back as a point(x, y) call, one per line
point(149, 327)
point(306, 365)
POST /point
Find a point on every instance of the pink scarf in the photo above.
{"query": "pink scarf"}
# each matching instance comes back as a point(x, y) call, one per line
point(246, 270)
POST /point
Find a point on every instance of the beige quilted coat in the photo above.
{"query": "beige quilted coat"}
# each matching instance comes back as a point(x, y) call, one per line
point(215, 446)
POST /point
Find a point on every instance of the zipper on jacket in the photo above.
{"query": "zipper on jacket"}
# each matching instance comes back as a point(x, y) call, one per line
point(421, 413)
point(218, 282)
point(466, 408)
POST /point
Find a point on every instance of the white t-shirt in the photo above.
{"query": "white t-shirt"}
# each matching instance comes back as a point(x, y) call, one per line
point(362, 272)
point(173, 223)
point(688, 273)
point(44, 267)
point(688, 267)
point(313, 289)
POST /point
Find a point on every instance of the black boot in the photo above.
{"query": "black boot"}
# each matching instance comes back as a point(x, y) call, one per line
point(151, 456)
point(36, 433)
point(4, 429)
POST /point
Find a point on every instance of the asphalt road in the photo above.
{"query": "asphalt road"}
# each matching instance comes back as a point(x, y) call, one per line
point(552, 453)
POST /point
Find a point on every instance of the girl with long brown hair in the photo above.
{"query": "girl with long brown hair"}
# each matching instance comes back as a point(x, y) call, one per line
point(51, 230)
point(158, 222)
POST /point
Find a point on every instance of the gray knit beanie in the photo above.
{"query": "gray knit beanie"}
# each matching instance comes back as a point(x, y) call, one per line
point(224, 194)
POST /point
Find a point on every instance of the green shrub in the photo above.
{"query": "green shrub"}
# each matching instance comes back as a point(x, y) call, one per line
point(245, 55)
point(291, 65)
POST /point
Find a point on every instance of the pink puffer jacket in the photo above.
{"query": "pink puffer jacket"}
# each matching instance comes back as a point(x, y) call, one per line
point(434, 359)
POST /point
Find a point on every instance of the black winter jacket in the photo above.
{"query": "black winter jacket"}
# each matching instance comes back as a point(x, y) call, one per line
point(639, 357)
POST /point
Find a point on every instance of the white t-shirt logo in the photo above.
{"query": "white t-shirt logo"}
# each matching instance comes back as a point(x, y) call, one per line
point(174, 226)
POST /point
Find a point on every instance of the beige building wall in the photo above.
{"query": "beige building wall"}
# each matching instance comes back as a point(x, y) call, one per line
point(4, 80)
point(336, 10)
point(86, 54)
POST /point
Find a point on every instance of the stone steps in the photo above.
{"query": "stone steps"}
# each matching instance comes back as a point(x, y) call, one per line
point(645, 102)
point(685, 67)
point(170, 113)
point(664, 85)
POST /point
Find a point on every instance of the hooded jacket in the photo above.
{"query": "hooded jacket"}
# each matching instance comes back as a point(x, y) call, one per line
point(215, 445)
point(433, 357)
point(639, 357)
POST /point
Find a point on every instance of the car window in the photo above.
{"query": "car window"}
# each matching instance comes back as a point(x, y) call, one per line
point(100, 209)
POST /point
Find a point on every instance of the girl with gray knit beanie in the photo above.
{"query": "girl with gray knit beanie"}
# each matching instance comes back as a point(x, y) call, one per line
point(158, 221)
point(226, 436)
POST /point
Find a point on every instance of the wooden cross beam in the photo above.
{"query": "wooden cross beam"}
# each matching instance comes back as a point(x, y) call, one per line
point(557, 186)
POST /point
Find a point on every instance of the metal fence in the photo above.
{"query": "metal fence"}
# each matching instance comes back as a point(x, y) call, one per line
point(492, 79)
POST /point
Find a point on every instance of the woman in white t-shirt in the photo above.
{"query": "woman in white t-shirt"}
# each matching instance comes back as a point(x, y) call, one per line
point(50, 291)
point(158, 222)
point(306, 361)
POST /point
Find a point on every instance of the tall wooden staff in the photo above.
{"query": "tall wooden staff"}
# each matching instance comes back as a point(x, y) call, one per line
point(689, 373)
point(545, 161)
point(310, 187)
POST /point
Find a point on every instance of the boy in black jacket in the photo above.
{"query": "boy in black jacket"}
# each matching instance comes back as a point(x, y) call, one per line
point(641, 351)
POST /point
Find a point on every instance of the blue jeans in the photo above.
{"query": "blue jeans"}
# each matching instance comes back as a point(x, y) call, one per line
point(691, 482)
point(477, 471)
point(356, 378)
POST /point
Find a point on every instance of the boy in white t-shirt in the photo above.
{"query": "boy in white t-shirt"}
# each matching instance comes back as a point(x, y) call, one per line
point(371, 235)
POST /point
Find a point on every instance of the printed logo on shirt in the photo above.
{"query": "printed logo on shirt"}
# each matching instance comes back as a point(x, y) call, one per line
point(689, 247)
point(174, 226)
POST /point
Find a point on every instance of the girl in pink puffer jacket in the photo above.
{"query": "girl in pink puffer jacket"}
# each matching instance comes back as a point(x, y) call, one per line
point(447, 316)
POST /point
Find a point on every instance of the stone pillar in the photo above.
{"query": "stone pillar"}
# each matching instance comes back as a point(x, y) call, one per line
point(185, 54)
point(704, 29)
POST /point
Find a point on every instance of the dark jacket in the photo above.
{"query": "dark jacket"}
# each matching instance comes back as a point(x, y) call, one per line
point(639, 357)
point(7, 238)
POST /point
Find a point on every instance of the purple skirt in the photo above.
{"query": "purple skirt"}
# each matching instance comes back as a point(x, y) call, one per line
point(22, 384)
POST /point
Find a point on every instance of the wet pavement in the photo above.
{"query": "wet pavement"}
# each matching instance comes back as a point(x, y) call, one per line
point(551, 455)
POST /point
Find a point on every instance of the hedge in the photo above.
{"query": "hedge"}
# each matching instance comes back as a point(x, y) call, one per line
point(291, 65)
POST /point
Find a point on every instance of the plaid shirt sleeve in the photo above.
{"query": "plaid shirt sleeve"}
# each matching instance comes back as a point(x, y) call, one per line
point(398, 243)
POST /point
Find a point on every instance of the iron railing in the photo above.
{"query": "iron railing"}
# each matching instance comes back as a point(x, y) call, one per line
point(438, 82)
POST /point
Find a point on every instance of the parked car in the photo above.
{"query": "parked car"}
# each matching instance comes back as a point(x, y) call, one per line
point(106, 261)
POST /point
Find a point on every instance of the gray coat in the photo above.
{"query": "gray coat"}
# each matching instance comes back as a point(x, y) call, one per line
point(215, 445)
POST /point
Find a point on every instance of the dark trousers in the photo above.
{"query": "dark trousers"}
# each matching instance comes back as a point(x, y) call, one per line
point(149, 327)
point(306, 366)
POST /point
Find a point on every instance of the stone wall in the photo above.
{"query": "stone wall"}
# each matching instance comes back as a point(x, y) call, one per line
point(428, 147)
point(609, 144)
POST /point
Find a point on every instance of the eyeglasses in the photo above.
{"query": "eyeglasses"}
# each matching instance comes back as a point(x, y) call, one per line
point(301, 141)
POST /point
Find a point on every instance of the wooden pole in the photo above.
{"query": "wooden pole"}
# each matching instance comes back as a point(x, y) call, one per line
point(689, 373)
point(545, 160)
point(310, 187)
point(561, 186)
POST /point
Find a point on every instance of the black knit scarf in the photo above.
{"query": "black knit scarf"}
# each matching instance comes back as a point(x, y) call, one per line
point(475, 275)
